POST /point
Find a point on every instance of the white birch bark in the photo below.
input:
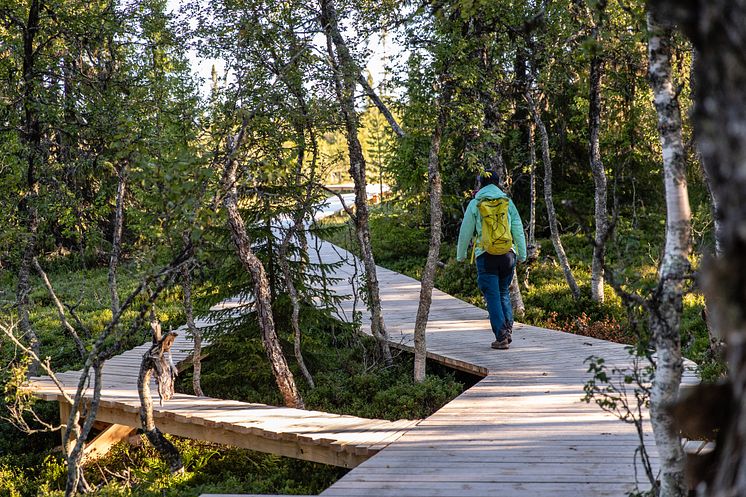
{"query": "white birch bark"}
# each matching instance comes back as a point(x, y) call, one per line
point(345, 80)
point(551, 214)
point(599, 179)
point(436, 216)
point(716, 29)
point(666, 309)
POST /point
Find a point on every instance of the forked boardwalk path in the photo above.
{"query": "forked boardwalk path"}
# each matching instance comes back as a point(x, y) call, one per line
point(520, 431)
point(310, 435)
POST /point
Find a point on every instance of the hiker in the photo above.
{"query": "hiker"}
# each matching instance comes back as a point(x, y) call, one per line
point(499, 240)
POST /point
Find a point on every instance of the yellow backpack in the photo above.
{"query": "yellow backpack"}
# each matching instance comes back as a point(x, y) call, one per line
point(496, 236)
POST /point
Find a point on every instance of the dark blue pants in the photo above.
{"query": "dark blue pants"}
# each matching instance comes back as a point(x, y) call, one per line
point(494, 275)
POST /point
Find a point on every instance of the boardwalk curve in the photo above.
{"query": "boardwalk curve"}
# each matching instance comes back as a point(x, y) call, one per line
point(520, 431)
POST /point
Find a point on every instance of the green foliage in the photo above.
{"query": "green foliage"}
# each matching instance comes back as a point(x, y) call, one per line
point(346, 368)
point(87, 290)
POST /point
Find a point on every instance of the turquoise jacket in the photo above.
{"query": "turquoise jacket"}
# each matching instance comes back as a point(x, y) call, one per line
point(473, 222)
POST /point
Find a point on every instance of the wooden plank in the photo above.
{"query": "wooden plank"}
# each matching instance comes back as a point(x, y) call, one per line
point(105, 440)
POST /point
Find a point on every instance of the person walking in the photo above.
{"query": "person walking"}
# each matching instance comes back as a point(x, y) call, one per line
point(499, 241)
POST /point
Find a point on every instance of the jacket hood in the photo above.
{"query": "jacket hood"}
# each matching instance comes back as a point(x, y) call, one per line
point(491, 192)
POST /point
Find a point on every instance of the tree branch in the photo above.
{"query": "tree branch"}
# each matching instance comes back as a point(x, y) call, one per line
point(60, 310)
point(381, 106)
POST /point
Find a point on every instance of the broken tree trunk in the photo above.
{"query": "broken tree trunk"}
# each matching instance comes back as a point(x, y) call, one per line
point(158, 360)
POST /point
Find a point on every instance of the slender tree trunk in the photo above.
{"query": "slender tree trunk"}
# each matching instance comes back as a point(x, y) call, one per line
point(186, 285)
point(24, 288)
point(280, 370)
point(551, 214)
point(666, 310)
point(295, 313)
point(381, 106)
point(516, 299)
point(284, 260)
point(345, 79)
point(116, 239)
point(76, 481)
point(599, 177)
point(532, 188)
point(30, 136)
point(716, 28)
point(436, 217)
point(714, 202)
point(716, 210)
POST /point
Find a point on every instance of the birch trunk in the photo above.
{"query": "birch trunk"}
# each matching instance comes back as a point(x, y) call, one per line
point(599, 177)
point(381, 106)
point(116, 238)
point(716, 29)
point(516, 299)
point(283, 261)
point(345, 80)
point(263, 298)
point(715, 208)
point(436, 217)
point(532, 189)
point(666, 310)
point(551, 214)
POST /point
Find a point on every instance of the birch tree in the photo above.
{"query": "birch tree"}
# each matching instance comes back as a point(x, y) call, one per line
point(436, 216)
point(594, 149)
point(549, 200)
point(716, 29)
point(346, 76)
point(667, 307)
point(262, 294)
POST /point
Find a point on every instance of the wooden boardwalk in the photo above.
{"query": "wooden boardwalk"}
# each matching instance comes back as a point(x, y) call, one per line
point(520, 431)
point(310, 435)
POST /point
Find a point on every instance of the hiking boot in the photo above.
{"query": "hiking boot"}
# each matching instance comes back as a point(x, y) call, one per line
point(507, 334)
point(503, 344)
